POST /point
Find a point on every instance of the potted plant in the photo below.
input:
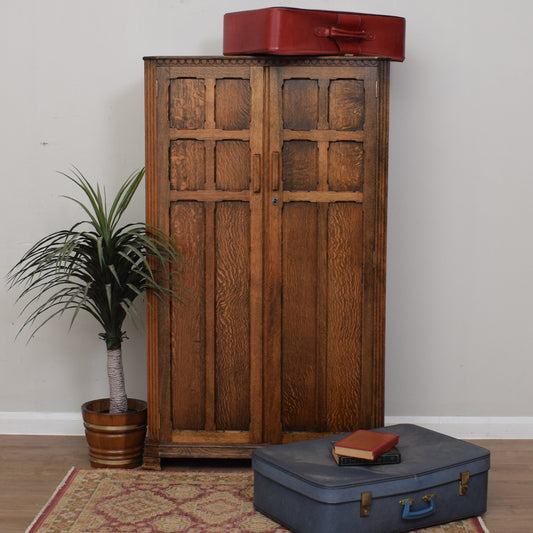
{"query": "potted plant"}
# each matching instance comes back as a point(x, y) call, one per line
point(101, 267)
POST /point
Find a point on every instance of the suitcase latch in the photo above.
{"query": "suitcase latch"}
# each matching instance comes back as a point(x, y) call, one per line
point(463, 482)
point(366, 502)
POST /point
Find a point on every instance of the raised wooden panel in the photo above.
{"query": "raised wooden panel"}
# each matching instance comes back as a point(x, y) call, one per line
point(300, 166)
point(187, 103)
point(232, 367)
point(300, 104)
point(299, 317)
point(345, 166)
point(232, 165)
point(187, 164)
point(188, 370)
point(345, 299)
point(346, 105)
point(232, 104)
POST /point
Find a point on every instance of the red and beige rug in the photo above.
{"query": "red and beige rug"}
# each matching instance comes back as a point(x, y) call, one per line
point(138, 501)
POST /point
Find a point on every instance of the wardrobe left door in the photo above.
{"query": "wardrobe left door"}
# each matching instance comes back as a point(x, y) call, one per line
point(204, 186)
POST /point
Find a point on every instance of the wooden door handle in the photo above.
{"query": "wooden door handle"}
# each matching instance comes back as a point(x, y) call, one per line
point(276, 160)
point(257, 175)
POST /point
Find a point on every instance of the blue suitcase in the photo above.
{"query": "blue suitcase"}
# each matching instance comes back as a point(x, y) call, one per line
point(440, 479)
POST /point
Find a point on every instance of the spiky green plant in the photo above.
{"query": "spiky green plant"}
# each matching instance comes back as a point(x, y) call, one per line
point(99, 267)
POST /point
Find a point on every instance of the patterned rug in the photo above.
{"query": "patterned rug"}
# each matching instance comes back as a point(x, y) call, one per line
point(138, 501)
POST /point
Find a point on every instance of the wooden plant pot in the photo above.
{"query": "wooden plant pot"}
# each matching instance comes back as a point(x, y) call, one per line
point(115, 441)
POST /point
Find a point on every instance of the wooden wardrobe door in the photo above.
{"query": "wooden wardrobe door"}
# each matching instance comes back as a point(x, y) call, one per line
point(210, 130)
point(321, 250)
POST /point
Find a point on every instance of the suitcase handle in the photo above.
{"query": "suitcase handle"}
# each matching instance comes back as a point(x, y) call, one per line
point(339, 33)
point(407, 514)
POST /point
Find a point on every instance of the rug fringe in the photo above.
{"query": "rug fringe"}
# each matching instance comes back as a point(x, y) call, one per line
point(51, 499)
point(482, 524)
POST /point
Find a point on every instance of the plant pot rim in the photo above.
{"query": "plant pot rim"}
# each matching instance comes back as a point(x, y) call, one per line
point(101, 405)
point(100, 408)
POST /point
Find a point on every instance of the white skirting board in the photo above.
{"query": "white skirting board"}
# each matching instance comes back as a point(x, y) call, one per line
point(472, 427)
point(41, 423)
point(462, 427)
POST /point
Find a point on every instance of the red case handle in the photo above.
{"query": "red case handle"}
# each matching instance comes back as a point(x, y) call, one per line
point(343, 29)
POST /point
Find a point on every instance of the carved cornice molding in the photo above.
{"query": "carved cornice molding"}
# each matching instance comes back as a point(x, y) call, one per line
point(266, 60)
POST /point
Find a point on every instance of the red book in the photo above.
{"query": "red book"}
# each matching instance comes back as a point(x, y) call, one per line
point(366, 444)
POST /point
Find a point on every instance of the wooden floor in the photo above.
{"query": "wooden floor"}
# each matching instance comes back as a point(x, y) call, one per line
point(31, 467)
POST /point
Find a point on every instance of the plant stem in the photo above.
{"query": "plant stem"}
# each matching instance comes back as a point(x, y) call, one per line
point(118, 401)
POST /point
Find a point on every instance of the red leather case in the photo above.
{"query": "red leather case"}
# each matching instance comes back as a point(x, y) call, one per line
point(289, 31)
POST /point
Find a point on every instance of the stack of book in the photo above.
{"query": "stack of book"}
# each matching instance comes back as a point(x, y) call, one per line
point(365, 447)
